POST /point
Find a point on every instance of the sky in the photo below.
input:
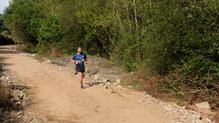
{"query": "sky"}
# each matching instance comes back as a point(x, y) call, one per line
point(3, 4)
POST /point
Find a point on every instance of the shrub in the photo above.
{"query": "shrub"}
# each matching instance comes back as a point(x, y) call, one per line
point(49, 36)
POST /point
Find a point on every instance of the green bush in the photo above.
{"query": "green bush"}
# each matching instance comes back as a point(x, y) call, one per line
point(49, 35)
point(22, 18)
point(161, 36)
point(5, 33)
point(171, 38)
point(1, 68)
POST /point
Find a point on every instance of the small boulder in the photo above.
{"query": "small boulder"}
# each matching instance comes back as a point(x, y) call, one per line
point(119, 86)
point(96, 76)
point(106, 80)
point(203, 105)
point(48, 61)
point(118, 80)
point(108, 83)
point(105, 87)
point(129, 86)
point(115, 84)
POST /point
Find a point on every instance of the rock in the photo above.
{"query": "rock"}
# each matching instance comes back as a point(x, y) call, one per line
point(21, 96)
point(19, 113)
point(115, 84)
point(48, 61)
point(106, 80)
point(18, 103)
point(118, 80)
point(3, 77)
point(119, 86)
point(203, 105)
point(184, 107)
point(196, 117)
point(105, 87)
point(96, 76)
point(33, 55)
point(167, 109)
point(102, 84)
point(24, 104)
point(140, 101)
point(144, 93)
point(197, 121)
point(19, 117)
point(108, 84)
point(208, 120)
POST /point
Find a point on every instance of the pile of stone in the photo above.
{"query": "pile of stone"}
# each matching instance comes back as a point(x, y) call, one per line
point(16, 98)
point(179, 114)
point(27, 54)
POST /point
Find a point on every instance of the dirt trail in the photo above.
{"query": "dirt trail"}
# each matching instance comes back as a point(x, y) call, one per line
point(60, 99)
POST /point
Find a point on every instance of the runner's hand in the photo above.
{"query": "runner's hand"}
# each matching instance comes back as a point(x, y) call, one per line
point(84, 60)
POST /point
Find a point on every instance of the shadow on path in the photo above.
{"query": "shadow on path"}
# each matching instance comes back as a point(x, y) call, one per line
point(4, 51)
point(95, 83)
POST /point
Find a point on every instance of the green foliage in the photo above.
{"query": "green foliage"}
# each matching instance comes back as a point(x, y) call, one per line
point(1, 68)
point(22, 18)
point(163, 37)
point(80, 20)
point(157, 35)
point(179, 31)
point(1, 23)
point(5, 33)
point(136, 83)
point(49, 34)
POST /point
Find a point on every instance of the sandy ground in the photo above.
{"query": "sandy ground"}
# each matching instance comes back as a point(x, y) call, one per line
point(59, 97)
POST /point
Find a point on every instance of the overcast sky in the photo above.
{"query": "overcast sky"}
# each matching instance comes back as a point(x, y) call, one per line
point(3, 4)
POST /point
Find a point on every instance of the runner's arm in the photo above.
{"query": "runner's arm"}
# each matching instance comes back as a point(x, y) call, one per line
point(84, 60)
point(73, 60)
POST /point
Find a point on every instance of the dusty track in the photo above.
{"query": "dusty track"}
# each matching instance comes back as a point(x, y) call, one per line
point(60, 99)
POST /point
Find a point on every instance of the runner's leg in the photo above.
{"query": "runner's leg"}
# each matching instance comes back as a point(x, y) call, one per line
point(81, 77)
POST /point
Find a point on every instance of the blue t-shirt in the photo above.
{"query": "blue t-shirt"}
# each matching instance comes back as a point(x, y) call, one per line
point(78, 58)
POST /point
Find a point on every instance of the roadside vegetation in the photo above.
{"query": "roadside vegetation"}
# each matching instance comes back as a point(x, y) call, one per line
point(171, 45)
point(4, 33)
point(5, 103)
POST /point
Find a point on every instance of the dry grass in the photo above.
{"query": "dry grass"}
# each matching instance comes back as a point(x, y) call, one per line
point(165, 89)
point(168, 90)
point(4, 97)
point(56, 52)
point(216, 117)
point(26, 48)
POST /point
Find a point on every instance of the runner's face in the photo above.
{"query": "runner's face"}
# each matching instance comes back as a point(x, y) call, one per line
point(79, 50)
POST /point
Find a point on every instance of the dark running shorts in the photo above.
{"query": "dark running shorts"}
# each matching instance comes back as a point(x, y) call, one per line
point(80, 68)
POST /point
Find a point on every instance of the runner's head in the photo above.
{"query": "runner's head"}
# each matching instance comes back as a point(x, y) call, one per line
point(79, 49)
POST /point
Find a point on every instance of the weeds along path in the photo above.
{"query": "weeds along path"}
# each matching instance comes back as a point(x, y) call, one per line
point(60, 99)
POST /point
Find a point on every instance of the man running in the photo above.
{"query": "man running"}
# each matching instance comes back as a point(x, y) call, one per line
point(79, 60)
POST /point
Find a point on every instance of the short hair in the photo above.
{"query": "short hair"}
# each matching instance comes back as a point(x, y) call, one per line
point(80, 48)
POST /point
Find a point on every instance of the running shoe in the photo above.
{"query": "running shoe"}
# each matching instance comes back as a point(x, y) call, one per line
point(82, 87)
